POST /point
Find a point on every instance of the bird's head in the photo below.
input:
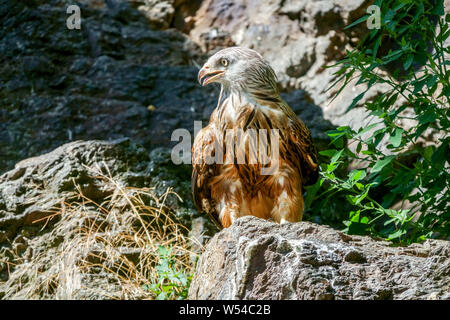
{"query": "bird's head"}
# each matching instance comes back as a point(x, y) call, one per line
point(238, 67)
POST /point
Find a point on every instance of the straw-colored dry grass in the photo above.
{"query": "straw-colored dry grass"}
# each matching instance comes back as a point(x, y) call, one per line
point(107, 250)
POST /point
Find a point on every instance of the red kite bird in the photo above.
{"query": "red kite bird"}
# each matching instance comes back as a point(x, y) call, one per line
point(249, 102)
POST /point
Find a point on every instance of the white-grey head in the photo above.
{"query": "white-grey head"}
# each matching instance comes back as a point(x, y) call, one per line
point(241, 69)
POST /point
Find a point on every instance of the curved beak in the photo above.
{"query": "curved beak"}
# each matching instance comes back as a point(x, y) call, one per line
point(206, 76)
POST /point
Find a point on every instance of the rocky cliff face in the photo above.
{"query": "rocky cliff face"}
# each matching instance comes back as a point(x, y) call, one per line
point(258, 259)
point(309, 34)
point(119, 76)
point(122, 75)
point(54, 208)
point(116, 77)
point(131, 72)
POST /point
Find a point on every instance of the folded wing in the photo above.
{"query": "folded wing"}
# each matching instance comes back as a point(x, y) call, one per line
point(203, 171)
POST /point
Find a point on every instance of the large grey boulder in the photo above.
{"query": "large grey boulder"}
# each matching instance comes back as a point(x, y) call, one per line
point(118, 76)
point(46, 201)
point(36, 185)
point(298, 38)
point(258, 259)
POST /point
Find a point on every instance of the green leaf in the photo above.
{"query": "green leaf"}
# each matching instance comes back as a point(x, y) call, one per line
point(379, 135)
point(387, 199)
point(420, 130)
point(357, 175)
point(432, 80)
point(328, 153)
point(163, 251)
point(380, 164)
point(358, 228)
point(445, 91)
point(360, 186)
point(428, 116)
point(428, 152)
point(366, 129)
point(355, 101)
point(359, 146)
point(408, 61)
point(336, 156)
point(161, 296)
point(396, 138)
point(396, 234)
point(362, 197)
point(352, 200)
point(392, 56)
point(354, 215)
point(439, 9)
point(311, 192)
point(440, 155)
point(375, 49)
point(362, 19)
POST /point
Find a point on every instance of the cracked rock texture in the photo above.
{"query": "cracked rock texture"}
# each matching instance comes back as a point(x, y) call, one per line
point(37, 185)
point(34, 221)
point(121, 75)
point(258, 259)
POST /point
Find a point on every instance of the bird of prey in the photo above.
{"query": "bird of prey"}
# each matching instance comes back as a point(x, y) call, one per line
point(250, 99)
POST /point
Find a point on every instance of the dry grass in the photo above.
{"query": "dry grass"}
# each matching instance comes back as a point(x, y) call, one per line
point(106, 250)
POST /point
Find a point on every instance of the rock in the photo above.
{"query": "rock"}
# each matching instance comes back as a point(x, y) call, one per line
point(258, 259)
point(37, 65)
point(38, 193)
point(93, 83)
point(37, 185)
point(164, 14)
point(215, 40)
point(298, 38)
point(99, 82)
point(160, 13)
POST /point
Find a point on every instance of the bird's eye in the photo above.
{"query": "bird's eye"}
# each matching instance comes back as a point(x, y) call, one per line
point(224, 62)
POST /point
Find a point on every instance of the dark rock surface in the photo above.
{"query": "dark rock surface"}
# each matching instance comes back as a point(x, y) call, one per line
point(258, 259)
point(60, 85)
point(39, 187)
point(116, 77)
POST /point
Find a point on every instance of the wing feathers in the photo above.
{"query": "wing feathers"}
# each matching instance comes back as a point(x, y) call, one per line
point(301, 145)
point(203, 173)
point(296, 148)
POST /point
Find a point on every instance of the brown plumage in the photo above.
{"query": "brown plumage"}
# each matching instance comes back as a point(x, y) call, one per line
point(250, 101)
